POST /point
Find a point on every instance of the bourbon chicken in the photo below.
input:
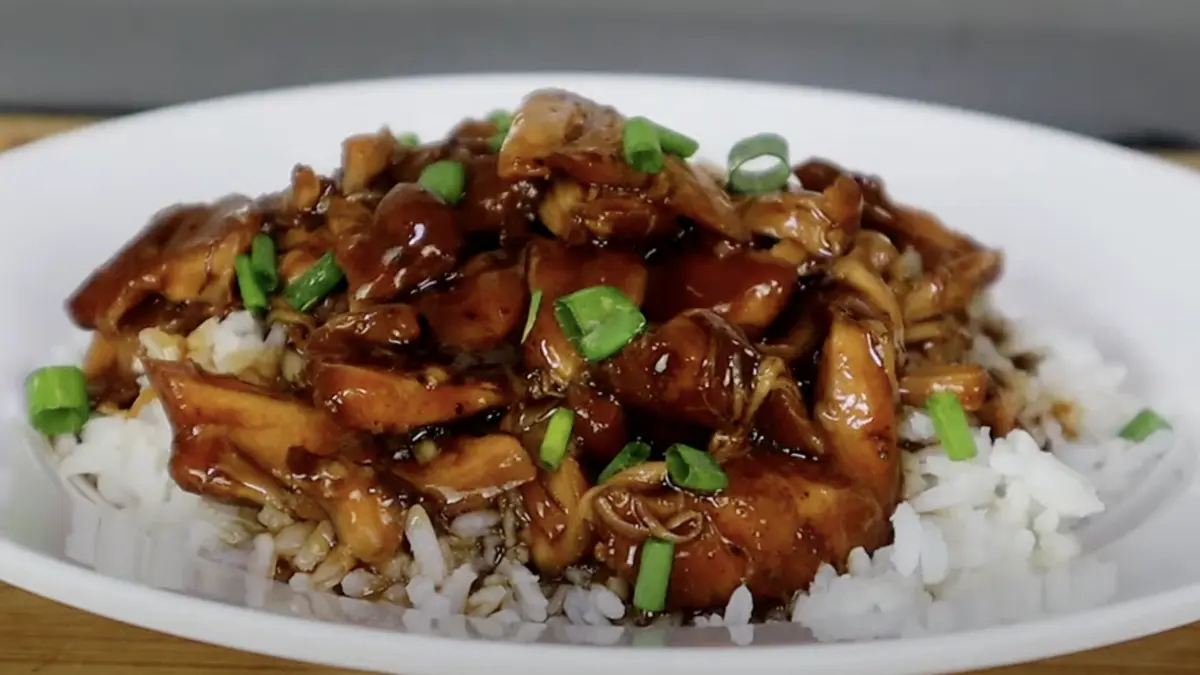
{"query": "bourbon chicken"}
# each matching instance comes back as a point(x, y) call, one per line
point(683, 377)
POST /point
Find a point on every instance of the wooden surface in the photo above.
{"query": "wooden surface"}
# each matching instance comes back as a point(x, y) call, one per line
point(39, 636)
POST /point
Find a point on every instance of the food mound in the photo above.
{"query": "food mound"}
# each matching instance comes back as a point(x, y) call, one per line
point(682, 378)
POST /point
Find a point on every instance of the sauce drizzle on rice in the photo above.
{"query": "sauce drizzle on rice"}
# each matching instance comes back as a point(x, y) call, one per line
point(734, 378)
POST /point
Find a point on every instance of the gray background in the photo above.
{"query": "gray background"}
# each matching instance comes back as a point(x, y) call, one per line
point(1117, 68)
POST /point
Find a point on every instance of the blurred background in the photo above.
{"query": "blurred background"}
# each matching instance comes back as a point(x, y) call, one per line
point(1119, 69)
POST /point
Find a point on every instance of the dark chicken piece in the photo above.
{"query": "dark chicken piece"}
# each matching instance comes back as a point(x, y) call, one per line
point(556, 132)
point(412, 240)
point(483, 307)
point(494, 204)
point(385, 401)
point(748, 288)
point(557, 536)
point(813, 229)
point(780, 517)
point(467, 468)
point(557, 271)
point(385, 328)
point(575, 213)
point(183, 257)
point(297, 444)
point(600, 429)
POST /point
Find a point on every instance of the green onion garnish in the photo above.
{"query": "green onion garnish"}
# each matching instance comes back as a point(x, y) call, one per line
point(447, 179)
point(253, 296)
point(535, 305)
point(408, 139)
point(643, 149)
point(631, 455)
point(675, 143)
point(503, 119)
point(950, 424)
point(496, 142)
point(262, 262)
point(317, 282)
point(694, 469)
point(57, 399)
point(558, 436)
point(1143, 424)
point(747, 181)
point(654, 575)
point(598, 321)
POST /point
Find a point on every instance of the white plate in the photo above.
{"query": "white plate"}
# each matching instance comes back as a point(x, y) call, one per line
point(1098, 239)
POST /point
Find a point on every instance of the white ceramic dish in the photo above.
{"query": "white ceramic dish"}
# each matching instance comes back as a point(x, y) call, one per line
point(1098, 240)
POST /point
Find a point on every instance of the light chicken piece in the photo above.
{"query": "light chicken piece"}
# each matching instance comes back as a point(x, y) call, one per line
point(815, 228)
point(557, 270)
point(364, 157)
point(575, 214)
point(969, 382)
point(185, 255)
point(384, 401)
point(468, 467)
point(951, 287)
point(481, 308)
point(557, 538)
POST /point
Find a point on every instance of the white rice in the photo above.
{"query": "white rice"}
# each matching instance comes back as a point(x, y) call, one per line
point(976, 542)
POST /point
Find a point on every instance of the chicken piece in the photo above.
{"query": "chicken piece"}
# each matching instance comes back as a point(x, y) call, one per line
point(299, 445)
point(364, 157)
point(468, 467)
point(776, 523)
point(575, 213)
point(305, 190)
point(491, 203)
point(384, 328)
point(383, 401)
point(557, 270)
point(600, 430)
point(969, 382)
point(482, 308)
point(205, 463)
point(108, 369)
point(951, 287)
point(556, 132)
point(783, 422)
point(748, 288)
point(185, 255)
point(557, 537)
point(874, 250)
point(821, 225)
point(695, 368)
point(412, 240)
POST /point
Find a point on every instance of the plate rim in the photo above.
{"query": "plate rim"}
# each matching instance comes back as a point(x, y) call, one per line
point(218, 623)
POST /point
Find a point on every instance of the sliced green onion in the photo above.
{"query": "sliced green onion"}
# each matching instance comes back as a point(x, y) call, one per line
point(557, 438)
point(675, 143)
point(262, 262)
point(503, 120)
point(317, 282)
point(950, 424)
point(408, 139)
point(535, 305)
point(654, 575)
point(599, 321)
point(630, 456)
point(497, 141)
point(447, 179)
point(1143, 424)
point(749, 181)
point(253, 296)
point(57, 399)
point(640, 141)
point(694, 469)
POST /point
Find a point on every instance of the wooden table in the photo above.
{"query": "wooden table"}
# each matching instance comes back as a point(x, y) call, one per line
point(40, 636)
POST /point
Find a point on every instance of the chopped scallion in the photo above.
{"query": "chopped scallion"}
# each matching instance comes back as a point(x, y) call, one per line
point(630, 456)
point(747, 181)
point(599, 321)
point(950, 424)
point(497, 141)
point(253, 296)
point(262, 262)
point(654, 575)
point(694, 469)
point(447, 179)
point(535, 305)
point(1143, 425)
point(408, 139)
point(641, 144)
point(503, 120)
point(317, 282)
point(57, 399)
point(675, 143)
point(557, 438)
